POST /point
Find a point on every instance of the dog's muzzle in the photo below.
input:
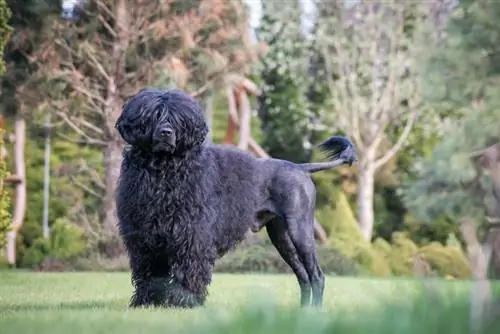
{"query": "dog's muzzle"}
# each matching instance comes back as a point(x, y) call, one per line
point(164, 139)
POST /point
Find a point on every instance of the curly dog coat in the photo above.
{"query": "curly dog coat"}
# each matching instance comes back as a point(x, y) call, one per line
point(182, 203)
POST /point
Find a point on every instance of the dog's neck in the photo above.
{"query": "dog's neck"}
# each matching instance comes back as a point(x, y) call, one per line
point(161, 162)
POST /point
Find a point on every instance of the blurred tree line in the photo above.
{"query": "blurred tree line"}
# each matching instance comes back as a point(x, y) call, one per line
point(405, 82)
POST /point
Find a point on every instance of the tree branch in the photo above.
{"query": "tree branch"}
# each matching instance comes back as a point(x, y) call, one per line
point(87, 141)
point(75, 128)
point(344, 98)
point(85, 188)
point(400, 142)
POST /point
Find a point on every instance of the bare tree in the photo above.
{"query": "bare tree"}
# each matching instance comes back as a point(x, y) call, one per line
point(117, 47)
point(368, 56)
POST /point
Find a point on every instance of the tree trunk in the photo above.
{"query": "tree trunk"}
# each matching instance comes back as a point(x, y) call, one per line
point(494, 237)
point(245, 120)
point(232, 118)
point(208, 102)
point(111, 245)
point(20, 198)
point(112, 163)
point(366, 188)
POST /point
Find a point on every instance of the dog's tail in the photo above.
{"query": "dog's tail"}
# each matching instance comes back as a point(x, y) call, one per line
point(338, 149)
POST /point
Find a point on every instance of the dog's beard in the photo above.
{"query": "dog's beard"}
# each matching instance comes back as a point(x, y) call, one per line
point(163, 147)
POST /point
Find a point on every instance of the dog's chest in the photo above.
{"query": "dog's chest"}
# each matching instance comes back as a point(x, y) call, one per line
point(164, 201)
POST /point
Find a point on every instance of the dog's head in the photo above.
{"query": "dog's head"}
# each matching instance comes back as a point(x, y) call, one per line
point(162, 122)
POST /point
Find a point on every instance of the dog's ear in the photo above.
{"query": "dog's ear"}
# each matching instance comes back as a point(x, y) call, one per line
point(132, 124)
point(125, 130)
point(196, 135)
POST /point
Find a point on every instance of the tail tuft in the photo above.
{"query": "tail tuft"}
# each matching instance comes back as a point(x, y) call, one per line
point(337, 147)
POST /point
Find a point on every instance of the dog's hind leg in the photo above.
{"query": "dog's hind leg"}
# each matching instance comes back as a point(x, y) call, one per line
point(293, 195)
point(280, 238)
point(301, 233)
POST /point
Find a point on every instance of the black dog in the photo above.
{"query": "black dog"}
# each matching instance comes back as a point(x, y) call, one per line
point(182, 203)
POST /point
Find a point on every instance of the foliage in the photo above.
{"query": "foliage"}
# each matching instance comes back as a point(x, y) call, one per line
point(5, 30)
point(422, 232)
point(369, 55)
point(66, 242)
point(31, 21)
point(344, 235)
point(282, 76)
point(442, 177)
point(262, 257)
point(31, 26)
point(399, 254)
point(390, 210)
point(464, 74)
point(68, 201)
point(444, 260)
point(194, 53)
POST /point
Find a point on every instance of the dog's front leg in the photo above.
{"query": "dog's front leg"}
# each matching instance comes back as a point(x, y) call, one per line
point(150, 280)
point(150, 272)
point(180, 284)
point(190, 279)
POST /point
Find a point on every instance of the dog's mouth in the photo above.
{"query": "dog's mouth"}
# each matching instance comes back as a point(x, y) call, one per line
point(163, 147)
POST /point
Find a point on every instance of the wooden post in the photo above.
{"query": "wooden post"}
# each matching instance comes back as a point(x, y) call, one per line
point(232, 116)
point(20, 197)
point(46, 180)
point(245, 121)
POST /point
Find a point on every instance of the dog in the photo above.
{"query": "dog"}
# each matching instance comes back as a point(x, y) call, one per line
point(183, 203)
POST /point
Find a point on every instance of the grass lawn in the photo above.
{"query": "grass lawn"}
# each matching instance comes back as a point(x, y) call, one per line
point(72, 303)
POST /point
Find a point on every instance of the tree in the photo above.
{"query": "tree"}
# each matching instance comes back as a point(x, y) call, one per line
point(462, 178)
point(282, 75)
point(29, 29)
point(377, 87)
point(114, 48)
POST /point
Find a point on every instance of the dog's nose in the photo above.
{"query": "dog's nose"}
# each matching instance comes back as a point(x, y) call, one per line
point(166, 132)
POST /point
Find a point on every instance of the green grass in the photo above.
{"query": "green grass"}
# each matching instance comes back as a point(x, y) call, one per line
point(72, 303)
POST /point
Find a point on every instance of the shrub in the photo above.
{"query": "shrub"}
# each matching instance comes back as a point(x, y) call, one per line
point(93, 261)
point(446, 260)
point(399, 255)
point(261, 256)
point(65, 198)
point(66, 242)
point(344, 235)
point(5, 30)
